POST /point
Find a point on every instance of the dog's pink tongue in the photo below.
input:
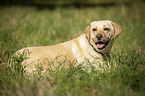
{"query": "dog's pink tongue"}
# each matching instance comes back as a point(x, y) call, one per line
point(100, 45)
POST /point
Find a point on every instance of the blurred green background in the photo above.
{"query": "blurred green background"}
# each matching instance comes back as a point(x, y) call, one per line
point(67, 2)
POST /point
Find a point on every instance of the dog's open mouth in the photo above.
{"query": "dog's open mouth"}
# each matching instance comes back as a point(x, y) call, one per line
point(101, 45)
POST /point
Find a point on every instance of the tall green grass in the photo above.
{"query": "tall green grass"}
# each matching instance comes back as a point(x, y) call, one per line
point(30, 26)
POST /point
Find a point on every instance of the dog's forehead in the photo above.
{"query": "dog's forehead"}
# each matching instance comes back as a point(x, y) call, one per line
point(100, 24)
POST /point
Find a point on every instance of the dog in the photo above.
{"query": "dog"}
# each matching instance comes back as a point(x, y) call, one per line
point(94, 45)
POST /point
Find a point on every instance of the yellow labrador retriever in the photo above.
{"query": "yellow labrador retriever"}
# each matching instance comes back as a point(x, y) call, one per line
point(94, 45)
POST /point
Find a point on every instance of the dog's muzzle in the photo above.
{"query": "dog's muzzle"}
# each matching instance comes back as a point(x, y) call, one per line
point(101, 42)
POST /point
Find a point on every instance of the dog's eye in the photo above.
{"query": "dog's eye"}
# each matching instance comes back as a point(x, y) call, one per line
point(106, 29)
point(94, 29)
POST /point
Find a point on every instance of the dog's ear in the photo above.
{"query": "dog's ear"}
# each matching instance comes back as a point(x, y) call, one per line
point(117, 29)
point(87, 32)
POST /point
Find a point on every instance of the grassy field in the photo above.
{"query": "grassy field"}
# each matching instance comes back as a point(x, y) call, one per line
point(30, 26)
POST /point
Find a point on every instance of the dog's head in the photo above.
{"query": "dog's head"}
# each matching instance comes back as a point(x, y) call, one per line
point(100, 35)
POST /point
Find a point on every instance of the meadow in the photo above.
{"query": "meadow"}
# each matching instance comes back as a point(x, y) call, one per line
point(25, 26)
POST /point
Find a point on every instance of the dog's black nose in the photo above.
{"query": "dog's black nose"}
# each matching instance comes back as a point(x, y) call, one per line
point(99, 36)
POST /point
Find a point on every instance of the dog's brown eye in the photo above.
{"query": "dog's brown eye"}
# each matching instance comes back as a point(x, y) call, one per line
point(94, 29)
point(106, 29)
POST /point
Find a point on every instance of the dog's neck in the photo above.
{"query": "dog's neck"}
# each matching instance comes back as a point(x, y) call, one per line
point(104, 55)
point(92, 51)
